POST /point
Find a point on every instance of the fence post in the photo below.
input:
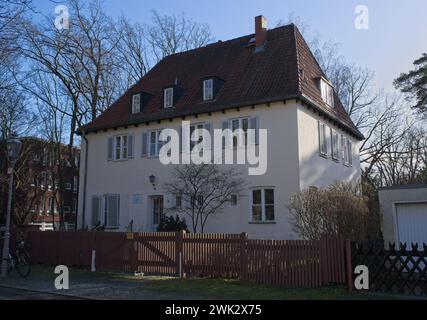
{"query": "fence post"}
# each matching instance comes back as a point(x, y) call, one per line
point(243, 257)
point(349, 268)
point(179, 258)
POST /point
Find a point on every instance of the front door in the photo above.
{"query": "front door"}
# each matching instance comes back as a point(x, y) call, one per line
point(157, 210)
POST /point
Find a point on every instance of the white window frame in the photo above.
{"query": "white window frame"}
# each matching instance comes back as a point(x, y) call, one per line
point(123, 149)
point(235, 141)
point(136, 103)
point(67, 186)
point(335, 145)
point(193, 127)
point(323, 140)
point(262, 205)
point(208, 89)
point(168, 97)
point(67, 209)
point(157, 144)
point(327, 92)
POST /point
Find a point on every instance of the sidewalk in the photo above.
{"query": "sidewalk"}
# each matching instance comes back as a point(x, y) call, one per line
point(86, 284)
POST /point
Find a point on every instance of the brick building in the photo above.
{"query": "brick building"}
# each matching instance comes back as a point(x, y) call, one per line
point(46, 184)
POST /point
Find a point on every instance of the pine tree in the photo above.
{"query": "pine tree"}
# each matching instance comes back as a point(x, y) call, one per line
point(414, 83)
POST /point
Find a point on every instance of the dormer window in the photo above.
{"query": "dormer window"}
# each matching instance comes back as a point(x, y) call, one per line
point(136, 103)
point(327, 92)
point(168, 98)
point(207, 89)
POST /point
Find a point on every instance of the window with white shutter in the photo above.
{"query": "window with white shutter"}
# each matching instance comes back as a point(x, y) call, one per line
point(120, 147)
point(323, 144)
point(244, 124)
point(334, 144)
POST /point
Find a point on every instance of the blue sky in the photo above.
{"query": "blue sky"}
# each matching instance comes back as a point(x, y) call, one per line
point(397, 32)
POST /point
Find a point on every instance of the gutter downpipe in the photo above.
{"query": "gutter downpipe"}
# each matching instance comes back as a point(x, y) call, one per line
point(85, 180)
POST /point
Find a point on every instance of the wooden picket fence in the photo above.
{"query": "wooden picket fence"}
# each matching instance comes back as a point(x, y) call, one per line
point(279, 262)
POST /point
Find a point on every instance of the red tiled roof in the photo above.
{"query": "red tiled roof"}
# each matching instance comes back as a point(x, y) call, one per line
point(250, 78)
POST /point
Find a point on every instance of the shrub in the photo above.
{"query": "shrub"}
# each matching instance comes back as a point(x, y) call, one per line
point(340, 209)
point(172, 223)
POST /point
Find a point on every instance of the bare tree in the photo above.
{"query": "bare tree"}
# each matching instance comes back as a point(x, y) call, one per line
point(172, 34)
point(204, 190)
point(132, 56)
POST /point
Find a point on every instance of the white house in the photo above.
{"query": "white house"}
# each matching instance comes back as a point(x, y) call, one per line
point(267, 80)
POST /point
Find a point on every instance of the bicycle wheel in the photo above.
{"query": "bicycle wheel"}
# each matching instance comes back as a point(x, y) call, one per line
point(23, 264)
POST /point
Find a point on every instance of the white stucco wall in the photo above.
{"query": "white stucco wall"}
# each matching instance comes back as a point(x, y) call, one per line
point(293, 163)
point(316, 170)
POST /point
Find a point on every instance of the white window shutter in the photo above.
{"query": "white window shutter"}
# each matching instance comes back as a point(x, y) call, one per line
point(96, 211)
point(130, 146)
point(110, 149)
point(254, 124)
point(144, 144)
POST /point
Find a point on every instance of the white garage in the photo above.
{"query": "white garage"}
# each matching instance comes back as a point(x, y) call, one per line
point(404, 211)
point(411, 222)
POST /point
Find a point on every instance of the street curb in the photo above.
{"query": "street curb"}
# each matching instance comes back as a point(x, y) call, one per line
point(50, 292)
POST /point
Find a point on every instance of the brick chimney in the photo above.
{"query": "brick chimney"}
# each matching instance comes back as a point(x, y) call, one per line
point(260, 32)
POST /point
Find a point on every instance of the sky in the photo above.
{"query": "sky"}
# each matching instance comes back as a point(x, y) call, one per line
point(396, 36)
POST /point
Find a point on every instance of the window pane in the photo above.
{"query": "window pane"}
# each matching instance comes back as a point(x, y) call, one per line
point(125, 147)
point(256, 196)
point(269, 196)
point(118, 147)
point(256, 213)
point(269, 213)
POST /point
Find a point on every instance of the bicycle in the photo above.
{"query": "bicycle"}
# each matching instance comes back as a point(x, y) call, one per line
point(20, 259)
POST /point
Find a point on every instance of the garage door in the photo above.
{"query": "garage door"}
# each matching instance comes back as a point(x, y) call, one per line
point(412, 223)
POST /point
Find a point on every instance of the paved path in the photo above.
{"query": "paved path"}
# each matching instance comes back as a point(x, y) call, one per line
point(83, 285)
point(10, 293)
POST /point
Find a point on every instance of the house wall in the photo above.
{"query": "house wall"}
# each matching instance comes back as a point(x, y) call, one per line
point(130, 178)
point(388, 198)
point(314, 169)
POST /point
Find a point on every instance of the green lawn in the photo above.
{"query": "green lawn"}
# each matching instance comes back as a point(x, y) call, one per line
point(233, 289)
